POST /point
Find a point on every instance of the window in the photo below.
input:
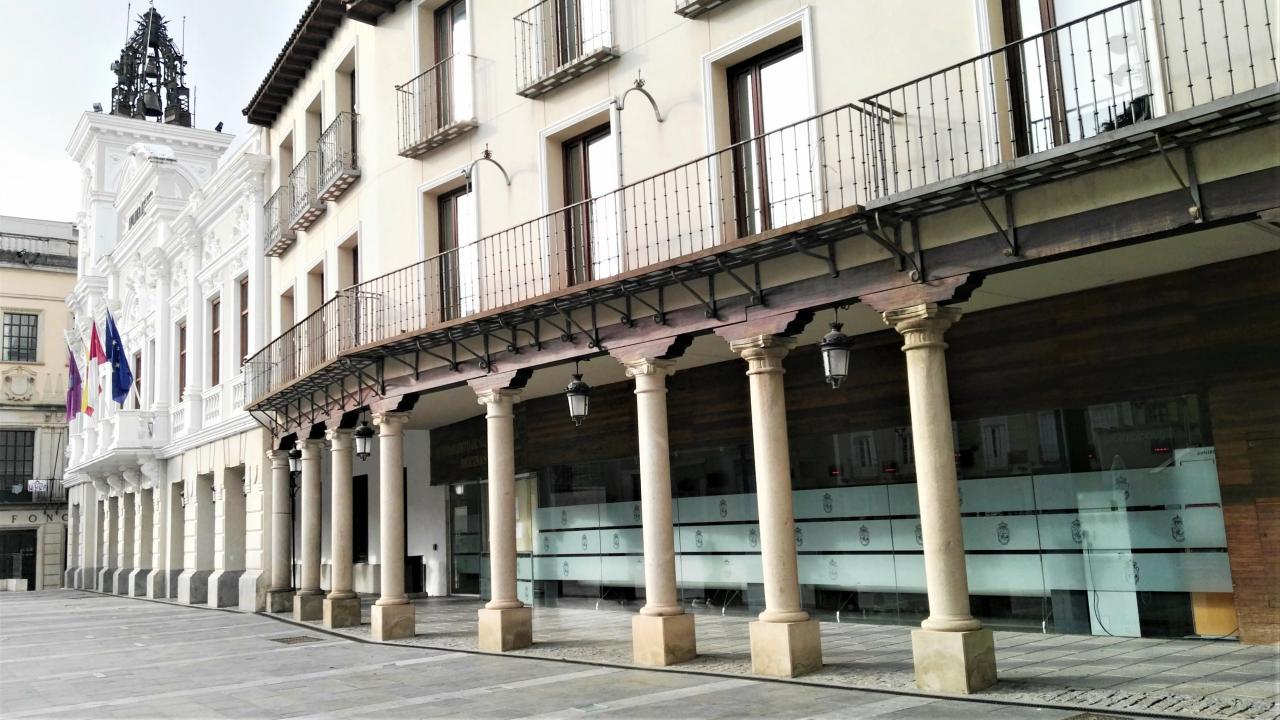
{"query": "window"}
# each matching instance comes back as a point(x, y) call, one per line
point(215, 340)
point(773, 183)
point(137, 378)
point(360, 519)
point(182, 359)
point(453, 44)
point(21, 331)
point(591, 218)
point(244, 320)
point(17, 458)
point(459, 254)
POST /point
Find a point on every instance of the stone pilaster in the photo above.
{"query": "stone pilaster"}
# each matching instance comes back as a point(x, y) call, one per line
point(228, 537)
point(255, 580)
point(197, 560)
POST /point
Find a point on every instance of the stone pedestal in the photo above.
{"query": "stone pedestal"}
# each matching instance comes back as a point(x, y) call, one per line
point(253, 591)
point(155, 586)
point(171, 583)
point(193, 587)
point(120, 582)
point(224, 587)
point(662, 640)
point(392, 622)
point(280, 601)
point(105, 579)
point(954, 662)
point(308, 606)
point(138, 582)
point(505, 629)
point(785, 649)
point(341, 612)
point(69, 578)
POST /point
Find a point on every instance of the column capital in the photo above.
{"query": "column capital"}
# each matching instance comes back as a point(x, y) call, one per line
point(645, 366)
point(763, 353)
point(922, 325)
point(339, 438)
point(489, 396)
point(390, 423)
point(311, 447)
point(279, 459)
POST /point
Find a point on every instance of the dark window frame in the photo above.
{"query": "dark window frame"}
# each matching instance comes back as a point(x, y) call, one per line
point(244, 320)
point(578, 212)
point(21, 341)
point(182, 359)
point(215, 341)
point(17, 458)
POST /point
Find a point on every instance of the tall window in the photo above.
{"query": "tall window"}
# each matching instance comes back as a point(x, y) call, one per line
point(453, 44)
point(459, 254)
point(17, 458)
point(215, 341)
point(244, 320)
point(182, 359)
point(773, 175)
point(591, 218)
point(21, 333)
point(137, 378)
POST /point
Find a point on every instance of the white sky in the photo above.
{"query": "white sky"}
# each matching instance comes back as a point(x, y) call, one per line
point(55, 58)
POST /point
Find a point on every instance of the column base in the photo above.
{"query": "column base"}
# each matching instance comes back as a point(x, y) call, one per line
point(87, 578)
point(155, 585)
point(224, 588)
point(171, 582)
point(392, 622)
point(121, 581)
point(69, 578)
point(660, 641)
point(954, 662)
point(785, 649)
point(138, 582)
point(106, 576)
point(193, 587)
point(506, 629)
point(253, 591)
point(341, 612)
point(308, 606)
point(280, 601)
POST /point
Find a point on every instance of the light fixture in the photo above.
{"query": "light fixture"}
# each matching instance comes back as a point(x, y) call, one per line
point(579, 396)
point(295, 460)
point(364, 440)
point(835, 354)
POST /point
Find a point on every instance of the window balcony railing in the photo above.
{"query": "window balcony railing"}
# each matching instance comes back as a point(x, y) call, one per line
point(559, 40)
point(693, 8)
point(336, 156)
point(304, 189)
point(790, 180)
point(436, 106)
point(276, 216)
point(15, 489)
point(212, 404)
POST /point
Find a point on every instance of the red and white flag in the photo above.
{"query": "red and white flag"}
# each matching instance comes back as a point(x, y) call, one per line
point(93, 379)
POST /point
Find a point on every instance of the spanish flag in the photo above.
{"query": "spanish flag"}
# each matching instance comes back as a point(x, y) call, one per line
point(93, 383)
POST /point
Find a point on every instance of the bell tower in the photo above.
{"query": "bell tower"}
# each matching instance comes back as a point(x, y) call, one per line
point(151, 75)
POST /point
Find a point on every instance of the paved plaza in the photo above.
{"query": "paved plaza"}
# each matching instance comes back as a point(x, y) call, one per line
point(66, 654)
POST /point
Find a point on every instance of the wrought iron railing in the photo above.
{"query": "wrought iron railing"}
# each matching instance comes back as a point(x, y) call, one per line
point(304, 191)
point(557, 40)
point(1120, 65)
point(852, 155)
point(336, 157)
point(436, 106)
point(276, 212)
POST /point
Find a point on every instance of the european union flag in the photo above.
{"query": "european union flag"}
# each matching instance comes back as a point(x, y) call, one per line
point(121, 376)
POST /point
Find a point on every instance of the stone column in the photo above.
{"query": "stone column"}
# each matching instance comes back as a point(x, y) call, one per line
point(174, 532)
point(124, 541)
point(662, 634)
point(341, 606)
point(255, 580)
point(73, 538)
point(308, 602)
point(785, 642)
point(280, 596)
point(505, 623)
point(90, 537)
point(228, 537)
point(197, 557)
point(952, 651)
point(107, 563)
point(392, 616)
point(143, 532)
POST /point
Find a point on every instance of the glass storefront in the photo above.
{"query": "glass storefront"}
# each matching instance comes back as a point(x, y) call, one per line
point(1105, 519)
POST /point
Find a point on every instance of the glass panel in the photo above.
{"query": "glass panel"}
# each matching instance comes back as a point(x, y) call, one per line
point(605, 230)
point(466, 517)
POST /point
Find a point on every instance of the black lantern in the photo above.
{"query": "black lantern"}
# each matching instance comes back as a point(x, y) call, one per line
point(295, 460)
point(364, 441)
point(835, 354)
point(579, 395)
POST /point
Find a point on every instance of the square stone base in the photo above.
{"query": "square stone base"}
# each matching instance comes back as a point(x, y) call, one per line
point(155, 584)
point(138, 582)
point(392, 622)
point(954, 662)
point(308, 607)
point(785, 649)
point(120, 585)
point(253, 590)
point(105, 576)
point(505, 630)
point(341, 612)
point(280, 601)
point(661, 641)
point(193, 587)
point(224, 588)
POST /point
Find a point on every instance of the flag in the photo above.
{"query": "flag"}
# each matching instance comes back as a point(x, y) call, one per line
point(121, 376)
point(93, 388)
point(73, 386)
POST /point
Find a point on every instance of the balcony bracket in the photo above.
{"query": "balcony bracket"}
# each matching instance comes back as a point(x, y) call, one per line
point(482, 360)
point(1191, 184)
point(895, 246)
point(624, 316)
point(593, 335)
point(451, 361)
point(756, 292)
point(659, 311)
point(1010, 232)
point(709, 306)
point(829, 258)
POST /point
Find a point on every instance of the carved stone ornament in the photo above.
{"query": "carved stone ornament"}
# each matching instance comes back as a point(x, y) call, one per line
point(19, 384)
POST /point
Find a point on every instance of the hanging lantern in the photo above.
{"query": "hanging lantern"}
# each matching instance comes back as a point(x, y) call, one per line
point(835, 347)
point(579, 396)
point(295, 460)
point(364, 441)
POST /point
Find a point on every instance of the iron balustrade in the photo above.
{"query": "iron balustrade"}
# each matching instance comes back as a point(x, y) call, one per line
point(930, 129)
point(276, 212)
point(558, 40)
point(336, 158)
point(304, 190)
point(436, 106)
point(1121, 65)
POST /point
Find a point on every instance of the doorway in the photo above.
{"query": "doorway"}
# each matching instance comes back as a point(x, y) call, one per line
point(18, 556)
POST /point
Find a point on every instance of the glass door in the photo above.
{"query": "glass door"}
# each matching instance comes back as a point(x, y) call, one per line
point(592, 233)
point(468, 561)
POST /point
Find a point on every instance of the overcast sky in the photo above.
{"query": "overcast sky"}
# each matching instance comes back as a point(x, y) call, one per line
point(55, 56)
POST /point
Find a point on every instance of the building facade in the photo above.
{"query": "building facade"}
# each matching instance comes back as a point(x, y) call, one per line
point(37, 268)
point(972, 330)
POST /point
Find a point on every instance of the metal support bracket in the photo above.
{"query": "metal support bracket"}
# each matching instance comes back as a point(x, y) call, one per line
point(895, 248)
point(452, 361)
point(1191, 184)
point(708, 306)
point(757, 292)
point(1010, 233)
point(659, 314)
point(593, 335)
point(482, 360)
point(829, 258)
point(638, 86)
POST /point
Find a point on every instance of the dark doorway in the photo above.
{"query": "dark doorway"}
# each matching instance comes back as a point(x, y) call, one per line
point(360, 519)
point(18, 555)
